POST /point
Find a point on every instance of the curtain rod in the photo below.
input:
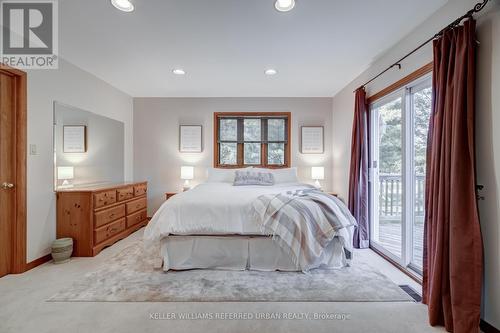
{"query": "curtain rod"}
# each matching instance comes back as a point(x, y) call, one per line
point(477, 8)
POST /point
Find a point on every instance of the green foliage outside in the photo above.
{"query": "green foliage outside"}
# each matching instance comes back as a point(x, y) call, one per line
point(390, 130)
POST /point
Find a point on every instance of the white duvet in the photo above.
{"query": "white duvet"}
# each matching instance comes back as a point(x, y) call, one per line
point(211, 209)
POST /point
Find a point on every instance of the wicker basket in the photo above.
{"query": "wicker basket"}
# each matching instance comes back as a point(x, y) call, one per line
point(61, 250)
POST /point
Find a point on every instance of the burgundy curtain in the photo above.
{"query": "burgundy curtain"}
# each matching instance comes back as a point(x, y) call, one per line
point(358, 173)
point(452, 241)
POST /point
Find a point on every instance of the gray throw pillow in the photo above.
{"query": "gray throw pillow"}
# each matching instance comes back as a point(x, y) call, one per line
point(253, 178)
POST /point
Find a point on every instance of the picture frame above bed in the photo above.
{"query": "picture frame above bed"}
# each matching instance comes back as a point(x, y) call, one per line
point(312, 140)
point(190, 139)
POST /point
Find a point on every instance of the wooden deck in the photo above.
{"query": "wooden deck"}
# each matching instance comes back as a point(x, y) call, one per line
point(390, 238)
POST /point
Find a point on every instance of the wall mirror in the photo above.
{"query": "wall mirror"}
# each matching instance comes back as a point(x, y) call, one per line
point(88, 148)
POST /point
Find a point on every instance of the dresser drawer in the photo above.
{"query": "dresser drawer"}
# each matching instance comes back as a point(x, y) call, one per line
point(125, 193)
point(136, 205)
point(102, 199)
point(140, 189)
point(136, 218)
point(109, 215)
point(109, 231)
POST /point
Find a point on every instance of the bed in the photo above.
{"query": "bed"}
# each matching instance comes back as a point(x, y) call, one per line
point(212, 226)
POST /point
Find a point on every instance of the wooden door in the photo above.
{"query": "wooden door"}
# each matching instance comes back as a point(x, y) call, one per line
point(13, 150)
point(7, 170)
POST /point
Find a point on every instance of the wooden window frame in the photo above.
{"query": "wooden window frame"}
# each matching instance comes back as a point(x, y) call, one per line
point(240, 157)
point(422, 71)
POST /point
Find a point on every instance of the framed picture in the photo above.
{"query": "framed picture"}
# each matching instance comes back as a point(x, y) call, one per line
point(190, 139)
point(74, 139)
point(312, 140)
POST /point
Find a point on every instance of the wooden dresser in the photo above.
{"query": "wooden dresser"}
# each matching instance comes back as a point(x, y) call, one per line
point(98, 216)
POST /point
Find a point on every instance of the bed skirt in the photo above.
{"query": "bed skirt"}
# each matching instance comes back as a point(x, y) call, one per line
point(259, 253)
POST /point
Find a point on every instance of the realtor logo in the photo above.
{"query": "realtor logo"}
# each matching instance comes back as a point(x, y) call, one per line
point(29, 34)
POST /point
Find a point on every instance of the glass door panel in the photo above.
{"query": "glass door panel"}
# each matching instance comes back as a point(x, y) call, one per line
point(388, 185)
point(398, 152)
point(421, 104)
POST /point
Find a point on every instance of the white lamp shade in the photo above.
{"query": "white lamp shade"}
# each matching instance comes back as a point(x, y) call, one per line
point(284, 5)
point(65, 172)
point(187, 172)
point(318, 173)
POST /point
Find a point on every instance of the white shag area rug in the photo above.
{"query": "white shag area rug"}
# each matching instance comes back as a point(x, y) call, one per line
point(127, 278)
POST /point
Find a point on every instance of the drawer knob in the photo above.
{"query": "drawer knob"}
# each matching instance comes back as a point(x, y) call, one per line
point(111, 215)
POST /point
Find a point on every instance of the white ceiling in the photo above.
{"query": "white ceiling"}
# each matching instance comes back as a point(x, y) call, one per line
point(225, 45)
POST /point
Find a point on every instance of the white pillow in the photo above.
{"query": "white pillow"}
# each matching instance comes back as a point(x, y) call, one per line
point(287, 175)
point(216, 175)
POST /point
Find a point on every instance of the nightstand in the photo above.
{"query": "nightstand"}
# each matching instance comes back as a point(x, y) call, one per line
point(333, 193)
point(168, 195)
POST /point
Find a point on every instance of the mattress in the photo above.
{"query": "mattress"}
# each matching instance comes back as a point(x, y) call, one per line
point(238, 253)
point(212, 209)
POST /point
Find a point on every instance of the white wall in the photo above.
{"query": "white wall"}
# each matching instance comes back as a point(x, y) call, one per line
point(488, 140)
point(488, 156)
point(73, 86)
point(156, 136)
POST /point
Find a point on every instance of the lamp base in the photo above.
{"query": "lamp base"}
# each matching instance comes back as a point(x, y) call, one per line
point(317, 184)
point(66, 184)
point(186, 186)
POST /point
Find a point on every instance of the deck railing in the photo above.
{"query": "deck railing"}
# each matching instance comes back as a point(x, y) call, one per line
point(391, 195)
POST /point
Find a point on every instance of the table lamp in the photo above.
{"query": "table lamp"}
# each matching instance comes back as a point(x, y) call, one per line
point(317, 174)
point(187, 174)
point(66, 174)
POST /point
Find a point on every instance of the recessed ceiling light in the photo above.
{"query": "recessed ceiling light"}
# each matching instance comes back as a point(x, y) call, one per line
point(178, 71)
point(123, 5)
point(271, 72)
point(284, 5)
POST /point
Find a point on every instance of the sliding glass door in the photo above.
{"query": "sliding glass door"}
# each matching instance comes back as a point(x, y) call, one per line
point(387, 170)
point(398, 137)
point(421, 103)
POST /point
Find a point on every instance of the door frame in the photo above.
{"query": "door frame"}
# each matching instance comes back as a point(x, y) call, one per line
point(18, 260)
point(414, 80)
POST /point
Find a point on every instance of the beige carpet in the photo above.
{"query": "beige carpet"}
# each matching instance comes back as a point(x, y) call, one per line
point(126, 278)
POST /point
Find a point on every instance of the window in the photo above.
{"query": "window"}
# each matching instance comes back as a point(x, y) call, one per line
point(399, 126)
point(252, 139)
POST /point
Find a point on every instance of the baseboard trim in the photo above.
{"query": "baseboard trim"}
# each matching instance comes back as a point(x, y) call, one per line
point(38, 262)
point(487, 328)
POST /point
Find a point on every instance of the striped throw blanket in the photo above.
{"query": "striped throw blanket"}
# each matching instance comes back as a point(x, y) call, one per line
point(303, 222)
